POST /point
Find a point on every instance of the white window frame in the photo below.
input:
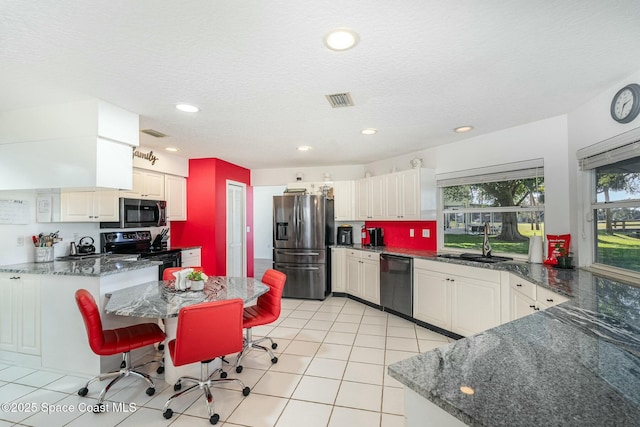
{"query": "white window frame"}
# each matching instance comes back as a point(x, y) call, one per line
point(612, 150)
point(504, 172)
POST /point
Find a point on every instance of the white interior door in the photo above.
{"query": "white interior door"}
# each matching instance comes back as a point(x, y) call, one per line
point(236, 229)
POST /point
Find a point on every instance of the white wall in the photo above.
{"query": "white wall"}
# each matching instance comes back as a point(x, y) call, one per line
point(590, 124)
point(11, 253)
point(165, 162)
point(283, 176)
point(263, 220)
point(546, 139)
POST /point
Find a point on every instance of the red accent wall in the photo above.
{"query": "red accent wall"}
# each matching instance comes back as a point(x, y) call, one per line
point(207, 213)
point(396, 234)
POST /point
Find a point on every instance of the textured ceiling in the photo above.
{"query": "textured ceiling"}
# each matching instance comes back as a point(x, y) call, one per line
point(259, 70)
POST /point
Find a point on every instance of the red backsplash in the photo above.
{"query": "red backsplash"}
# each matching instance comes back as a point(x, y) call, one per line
point(396, 234)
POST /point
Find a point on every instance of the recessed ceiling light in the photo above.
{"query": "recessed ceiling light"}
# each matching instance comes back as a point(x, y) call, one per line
point(463, 129)
point(341, 39)
point(369, 131)
point(171, 149)
point(304, 148)
point(187, 108)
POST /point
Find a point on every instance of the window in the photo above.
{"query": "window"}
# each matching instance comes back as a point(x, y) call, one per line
point(616, 212)
point(511, 201)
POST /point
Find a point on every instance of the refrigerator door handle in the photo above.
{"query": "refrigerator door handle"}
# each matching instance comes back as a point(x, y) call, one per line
point(288, 267)
point(300, 253)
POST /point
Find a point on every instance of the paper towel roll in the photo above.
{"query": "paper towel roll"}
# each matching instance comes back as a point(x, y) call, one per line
point(535, 249)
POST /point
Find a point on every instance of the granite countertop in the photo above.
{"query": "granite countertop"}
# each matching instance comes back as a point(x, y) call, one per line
point(159, 299)
point(562, 281)
point(93, 267)
point(577, 363)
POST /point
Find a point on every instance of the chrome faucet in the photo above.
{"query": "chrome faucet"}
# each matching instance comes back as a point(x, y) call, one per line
point(486, 246)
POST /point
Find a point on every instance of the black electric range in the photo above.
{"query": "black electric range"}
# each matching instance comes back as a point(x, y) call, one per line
point(139, 243)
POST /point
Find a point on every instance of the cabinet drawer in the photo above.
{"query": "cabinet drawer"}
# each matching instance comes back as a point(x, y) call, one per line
point(459, 270)
point(549, 298)
point(524, 287)
point(370, 255)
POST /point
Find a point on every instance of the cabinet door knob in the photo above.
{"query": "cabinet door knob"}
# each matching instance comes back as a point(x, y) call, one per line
point(14, 277)
point(536, 308)
point(519, 285)
point(533, 306)
point(549, 299)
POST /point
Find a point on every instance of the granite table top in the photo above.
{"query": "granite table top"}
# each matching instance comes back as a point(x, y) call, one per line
point(575, 364)
point(93, 267)
point(160, 299)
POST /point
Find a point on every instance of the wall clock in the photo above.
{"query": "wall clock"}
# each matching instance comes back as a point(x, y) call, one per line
point(625, 105)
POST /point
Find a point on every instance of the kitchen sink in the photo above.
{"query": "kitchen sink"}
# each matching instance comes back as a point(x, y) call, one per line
point(476, 257)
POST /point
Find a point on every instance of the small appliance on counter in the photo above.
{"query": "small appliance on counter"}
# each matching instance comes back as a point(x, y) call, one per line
point(376, 236)
point(85, 246)
point(345, 235)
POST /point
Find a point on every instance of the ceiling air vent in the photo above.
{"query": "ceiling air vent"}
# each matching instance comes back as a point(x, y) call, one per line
point(153, 133)
point(338, 100)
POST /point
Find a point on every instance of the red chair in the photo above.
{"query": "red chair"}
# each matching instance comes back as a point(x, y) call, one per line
point(113, 341)
point(206, 331)
point(167, 273)
point(266, 310)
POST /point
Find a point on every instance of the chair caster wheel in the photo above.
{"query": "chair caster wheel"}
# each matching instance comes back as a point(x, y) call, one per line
point(168, 413)
point(246, 391)
point(274, 360)
point(223, 374)
point(177, 386)
point(99, 408)
point(214, 419)
point(160, 369)
point(123, 365)
point(274, 345)
point(151, 391)
point(161, 347)
point(239, 369)
point(83, 391)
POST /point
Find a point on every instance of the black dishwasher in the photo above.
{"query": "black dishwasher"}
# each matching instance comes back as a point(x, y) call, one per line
point(396, 284)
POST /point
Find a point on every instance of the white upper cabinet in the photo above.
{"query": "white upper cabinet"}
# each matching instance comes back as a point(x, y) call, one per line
point(175, 190)
point(146, 185)
point(89, 206)
point(92, 139)
point(344, 203)
point(404, 195)
point(370, 198)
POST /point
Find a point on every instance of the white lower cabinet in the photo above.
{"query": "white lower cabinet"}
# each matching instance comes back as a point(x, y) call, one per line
point(431, 298)
point(460, 299)
point(192, 257)
point(20, 313)
point(338, 269)
point(363, 274)
point(526, 298)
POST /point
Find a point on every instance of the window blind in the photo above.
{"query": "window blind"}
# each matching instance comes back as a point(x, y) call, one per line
point(620, 147)
point(520, 170)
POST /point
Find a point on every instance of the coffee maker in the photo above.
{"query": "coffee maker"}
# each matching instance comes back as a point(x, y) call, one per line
point(345, 235)
point(376, 236)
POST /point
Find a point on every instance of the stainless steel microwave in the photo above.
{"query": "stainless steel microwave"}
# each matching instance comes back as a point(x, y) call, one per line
point(135, 213)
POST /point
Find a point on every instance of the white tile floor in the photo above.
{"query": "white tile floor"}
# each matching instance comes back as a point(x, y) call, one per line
point(331, 372)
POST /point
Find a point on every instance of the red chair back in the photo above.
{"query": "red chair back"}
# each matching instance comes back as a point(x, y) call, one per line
point(92, 321)
point(271, 302)
point(167, 273)
point(206, 331)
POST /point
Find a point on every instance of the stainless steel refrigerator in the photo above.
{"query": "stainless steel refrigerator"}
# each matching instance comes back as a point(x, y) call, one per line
point(303, 228)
